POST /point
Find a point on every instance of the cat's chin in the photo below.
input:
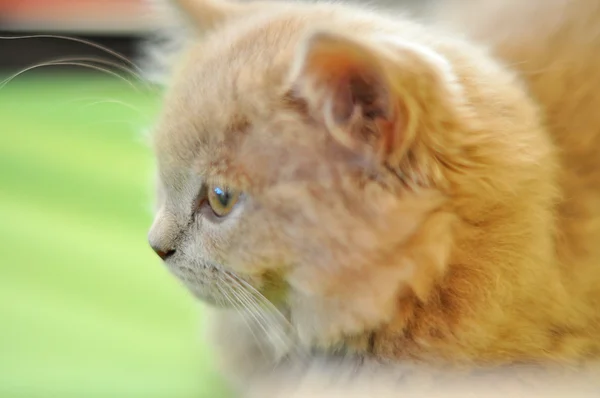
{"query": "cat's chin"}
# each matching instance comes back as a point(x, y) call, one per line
point(207, 297)
point(218, 298)
point(205, 282)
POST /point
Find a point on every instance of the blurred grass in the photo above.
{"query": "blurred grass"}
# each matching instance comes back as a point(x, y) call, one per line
point(86, 309)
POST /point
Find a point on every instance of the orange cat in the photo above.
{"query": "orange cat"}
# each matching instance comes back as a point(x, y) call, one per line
point(395, 190)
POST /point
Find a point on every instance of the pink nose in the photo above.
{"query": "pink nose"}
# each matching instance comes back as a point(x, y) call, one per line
point(163, 254)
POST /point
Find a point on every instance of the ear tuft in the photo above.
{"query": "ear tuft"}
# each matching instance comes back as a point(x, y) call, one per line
point(207, 14)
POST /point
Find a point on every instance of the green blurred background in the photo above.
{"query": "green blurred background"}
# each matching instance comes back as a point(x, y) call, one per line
point(86, 308)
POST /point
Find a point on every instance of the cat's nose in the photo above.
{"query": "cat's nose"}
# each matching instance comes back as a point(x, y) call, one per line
point(164, 254)
point(161, 236)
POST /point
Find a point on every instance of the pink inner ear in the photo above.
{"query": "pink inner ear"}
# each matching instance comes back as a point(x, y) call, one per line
point(343, 102)
point(349, 74)
point(345, 83)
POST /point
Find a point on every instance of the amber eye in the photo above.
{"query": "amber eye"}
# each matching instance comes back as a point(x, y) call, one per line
point(222, 200)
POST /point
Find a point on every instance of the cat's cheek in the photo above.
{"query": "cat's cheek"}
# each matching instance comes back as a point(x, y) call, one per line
point(368, 298)
point(255, 247)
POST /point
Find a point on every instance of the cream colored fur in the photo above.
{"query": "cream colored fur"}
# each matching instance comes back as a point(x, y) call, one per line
point(411, 191)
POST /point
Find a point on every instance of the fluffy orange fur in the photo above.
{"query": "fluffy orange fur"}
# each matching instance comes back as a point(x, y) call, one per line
point(427, 192)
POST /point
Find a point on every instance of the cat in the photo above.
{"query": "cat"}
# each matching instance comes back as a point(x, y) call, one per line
point(352, 185)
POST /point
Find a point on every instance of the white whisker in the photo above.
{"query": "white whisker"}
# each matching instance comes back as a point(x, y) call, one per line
point(77, 40)
point(268, 316)
point(249, 289)
point(265, 322)
point(98, 101)
point(132, 127)
point(95, 67)
point(116, 102)
point(251, 307)
point(94, 60)
point(240, 310)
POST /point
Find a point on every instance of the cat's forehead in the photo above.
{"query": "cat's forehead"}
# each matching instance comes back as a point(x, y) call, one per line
point(228, 84)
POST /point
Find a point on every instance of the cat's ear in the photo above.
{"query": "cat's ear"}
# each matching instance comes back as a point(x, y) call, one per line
point(371, 96)
point(207, 14)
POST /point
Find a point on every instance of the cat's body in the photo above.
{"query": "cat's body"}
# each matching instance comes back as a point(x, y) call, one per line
point(406, 196)
point(554, 46)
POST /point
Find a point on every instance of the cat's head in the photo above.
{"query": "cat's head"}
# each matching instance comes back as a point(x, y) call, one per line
point(334, 160)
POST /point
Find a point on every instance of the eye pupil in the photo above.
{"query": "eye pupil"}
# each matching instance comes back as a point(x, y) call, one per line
point(222, 199)
point(223, 196)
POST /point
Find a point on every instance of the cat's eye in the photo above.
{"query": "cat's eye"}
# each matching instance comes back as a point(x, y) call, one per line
point(222, 200)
